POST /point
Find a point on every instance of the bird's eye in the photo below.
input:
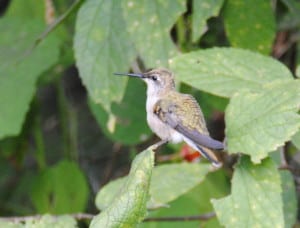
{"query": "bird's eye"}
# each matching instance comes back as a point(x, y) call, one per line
point(154, 78)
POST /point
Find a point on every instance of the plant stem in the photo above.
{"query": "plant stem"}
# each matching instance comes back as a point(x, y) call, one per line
point(38, 137)
point(53, 26)
point(63, 117)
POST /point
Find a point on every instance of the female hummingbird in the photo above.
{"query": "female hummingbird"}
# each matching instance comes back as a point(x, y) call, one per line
point(175, 116)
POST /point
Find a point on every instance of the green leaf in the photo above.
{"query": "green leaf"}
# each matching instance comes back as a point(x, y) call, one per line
point(168, 183)
point(20, 69)
point(107, 194)
point(129, 205)
point(289, 198)
point(149, 24)
point(7, 224)
point(28, 9)
point(46, 221)
point(255, 199)
point(60, 189)
point(202, 11)
point(194, 202)
point(258, 123)
point(171, 181)
point(130, 115)
point(248, 26)
point(102, 47)
point(223, 71)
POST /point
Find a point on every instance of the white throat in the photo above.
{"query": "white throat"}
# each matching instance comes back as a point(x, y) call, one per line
point(152, 97)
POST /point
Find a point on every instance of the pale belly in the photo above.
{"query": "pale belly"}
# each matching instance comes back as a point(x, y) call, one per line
point(162, 130)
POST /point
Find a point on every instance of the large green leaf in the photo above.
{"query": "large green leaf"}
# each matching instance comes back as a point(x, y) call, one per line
point(130, 115)
point(149, 24)
point(168, 183)
point(224, 71)
point(20, 68)
point(60, 189)
point(250, 24)
point(255, 199)
point(203, 10)
point(257, 123)
point(102, 47)
point(128, 207)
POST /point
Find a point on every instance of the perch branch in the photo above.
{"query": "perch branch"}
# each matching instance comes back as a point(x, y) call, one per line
point(202, 217)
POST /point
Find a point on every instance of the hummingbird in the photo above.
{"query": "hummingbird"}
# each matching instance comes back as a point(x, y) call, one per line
point(176, 117)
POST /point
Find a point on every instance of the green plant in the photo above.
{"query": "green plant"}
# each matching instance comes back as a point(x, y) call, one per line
point(218, 51)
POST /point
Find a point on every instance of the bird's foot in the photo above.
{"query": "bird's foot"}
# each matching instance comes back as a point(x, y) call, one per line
point(215, 167)
point(158, 144)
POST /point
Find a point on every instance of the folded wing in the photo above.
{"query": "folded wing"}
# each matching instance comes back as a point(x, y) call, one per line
point(186, 119)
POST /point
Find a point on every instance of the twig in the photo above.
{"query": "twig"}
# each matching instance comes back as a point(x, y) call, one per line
point(282, 157)
point(111, 164)
point(202, 217)
point(286, 167)
point(53, 26)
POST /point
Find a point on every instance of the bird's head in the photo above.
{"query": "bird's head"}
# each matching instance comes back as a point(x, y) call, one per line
point(158, 80)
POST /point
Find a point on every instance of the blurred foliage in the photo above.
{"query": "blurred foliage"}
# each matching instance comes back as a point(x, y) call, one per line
point(250, 27)
point(168, 183)
point(49, 192)
point(68, 126)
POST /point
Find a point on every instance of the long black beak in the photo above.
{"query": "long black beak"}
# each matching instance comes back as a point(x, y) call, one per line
point(131, 75)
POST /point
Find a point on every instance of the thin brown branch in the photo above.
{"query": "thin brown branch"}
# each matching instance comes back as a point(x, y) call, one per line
point(202, 217)
point(287, 167)
point(83, 216)
point(111, 164)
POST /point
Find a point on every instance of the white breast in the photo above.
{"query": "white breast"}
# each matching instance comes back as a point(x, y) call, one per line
point(157, 126)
